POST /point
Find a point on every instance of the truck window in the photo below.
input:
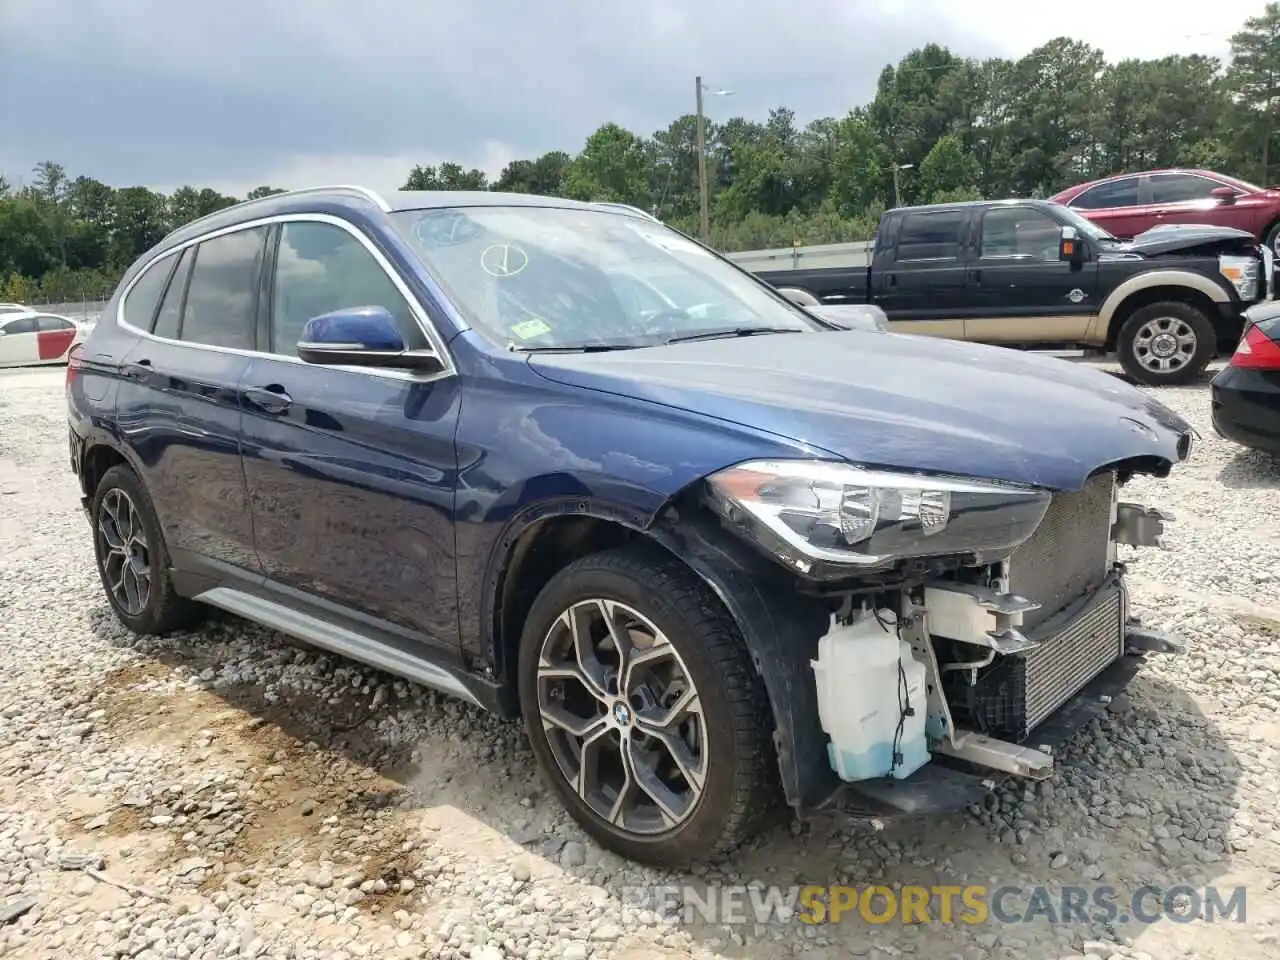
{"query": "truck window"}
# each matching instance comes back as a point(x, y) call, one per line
point(935, 235)
point(1019, 232)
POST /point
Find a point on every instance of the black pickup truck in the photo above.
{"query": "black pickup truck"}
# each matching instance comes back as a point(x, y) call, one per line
point(1034, 273)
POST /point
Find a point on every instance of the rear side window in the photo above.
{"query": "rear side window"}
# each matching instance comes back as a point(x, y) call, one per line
point(1118, 193)
point(171, 305)
point(49, 324)
point(142, 299)
point(222, 296)
point(931, 236)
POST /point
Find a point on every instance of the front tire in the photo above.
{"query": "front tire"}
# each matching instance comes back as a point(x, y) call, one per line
point(644, 711)
point(1166, 344)
point(133, 562)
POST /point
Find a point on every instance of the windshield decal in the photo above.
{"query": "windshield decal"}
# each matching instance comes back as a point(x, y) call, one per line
point(528, 329)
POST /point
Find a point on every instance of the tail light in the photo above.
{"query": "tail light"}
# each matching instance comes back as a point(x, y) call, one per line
point(74, 364)
point(1256, 351)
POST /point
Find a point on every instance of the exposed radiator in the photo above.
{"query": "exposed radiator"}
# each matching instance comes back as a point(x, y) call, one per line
point(1067, 556)
point(1017, 693)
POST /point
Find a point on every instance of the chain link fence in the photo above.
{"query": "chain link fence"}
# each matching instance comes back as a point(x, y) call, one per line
point(85, 311)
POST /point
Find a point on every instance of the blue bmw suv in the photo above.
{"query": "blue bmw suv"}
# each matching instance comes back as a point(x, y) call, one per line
point(559, 460)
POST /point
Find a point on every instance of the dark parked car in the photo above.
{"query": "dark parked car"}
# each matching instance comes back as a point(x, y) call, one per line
point(714, 553)
point(1132, 203)
point(1033, 273)
point(1246, 394)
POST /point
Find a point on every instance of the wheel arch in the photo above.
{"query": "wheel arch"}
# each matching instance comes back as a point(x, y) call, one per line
point(779, 627)
point(1147, 288)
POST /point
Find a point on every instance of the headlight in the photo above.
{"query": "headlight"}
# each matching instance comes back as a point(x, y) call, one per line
point(1243, 274)
point(812, 514)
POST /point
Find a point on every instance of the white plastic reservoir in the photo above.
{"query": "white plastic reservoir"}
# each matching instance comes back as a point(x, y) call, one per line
point(859, 692)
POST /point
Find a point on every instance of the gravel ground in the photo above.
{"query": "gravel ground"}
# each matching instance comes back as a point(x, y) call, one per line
point(225, 793)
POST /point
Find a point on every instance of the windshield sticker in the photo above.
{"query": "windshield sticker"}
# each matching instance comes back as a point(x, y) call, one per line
point(528, 329)
point(668, 241)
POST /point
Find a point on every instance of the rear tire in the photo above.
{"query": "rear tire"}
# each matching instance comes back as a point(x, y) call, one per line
point(1166, 344)
point(709, 778)
point(132, 560)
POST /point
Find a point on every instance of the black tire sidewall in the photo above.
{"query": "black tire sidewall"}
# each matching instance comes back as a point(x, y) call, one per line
point(700, 833)
point(1206, 343)
point(123, 478)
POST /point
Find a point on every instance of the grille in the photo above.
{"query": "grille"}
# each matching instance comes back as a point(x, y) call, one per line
point(1066, 558)
point(1016, 693)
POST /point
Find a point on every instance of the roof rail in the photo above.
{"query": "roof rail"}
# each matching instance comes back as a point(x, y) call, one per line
point(371, 195)
point(628, 207)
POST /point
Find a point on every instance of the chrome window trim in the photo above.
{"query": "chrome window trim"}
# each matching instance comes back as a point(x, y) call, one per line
point(415, 307)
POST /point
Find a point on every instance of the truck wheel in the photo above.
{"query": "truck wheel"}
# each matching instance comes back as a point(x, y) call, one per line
point(1166, 343)
point(644, 711)
point(133, 562)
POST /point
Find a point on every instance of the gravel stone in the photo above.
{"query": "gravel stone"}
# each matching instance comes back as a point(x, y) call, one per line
point(263, 799)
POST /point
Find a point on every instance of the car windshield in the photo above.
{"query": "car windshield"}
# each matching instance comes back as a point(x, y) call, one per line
point(1084, 226)
point(562, 278)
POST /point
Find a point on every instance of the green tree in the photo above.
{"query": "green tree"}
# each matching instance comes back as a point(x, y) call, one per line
point(613, 165)
point(1254, 80)
point(948, 172)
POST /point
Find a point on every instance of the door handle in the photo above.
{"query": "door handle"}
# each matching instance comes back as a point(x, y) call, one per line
point(270, 399)
point(137, 370)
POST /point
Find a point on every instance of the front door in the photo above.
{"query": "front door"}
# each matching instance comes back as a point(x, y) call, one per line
point(1028, 295)
point(351, 472)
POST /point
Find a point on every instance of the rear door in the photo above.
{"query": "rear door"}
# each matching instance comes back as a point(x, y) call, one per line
point(1027, 294)
point(55, 336)
point(178, 404)
point(919, 275)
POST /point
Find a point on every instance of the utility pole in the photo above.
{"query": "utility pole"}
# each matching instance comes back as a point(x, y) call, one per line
point(704, 212)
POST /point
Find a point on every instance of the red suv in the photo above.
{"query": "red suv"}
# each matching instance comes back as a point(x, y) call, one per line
point(1128, 204)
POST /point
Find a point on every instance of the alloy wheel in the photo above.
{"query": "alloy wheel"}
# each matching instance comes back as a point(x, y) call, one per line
point(1164, 344)
point(125, 556)
point(622, 716)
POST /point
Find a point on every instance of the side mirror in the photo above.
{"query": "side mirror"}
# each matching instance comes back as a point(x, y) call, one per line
point(1070, 247)
point(1224, 195)
point(361, 337)
point(853, 316)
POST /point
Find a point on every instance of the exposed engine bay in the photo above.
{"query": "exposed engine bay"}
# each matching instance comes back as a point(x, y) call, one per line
point(971, 663)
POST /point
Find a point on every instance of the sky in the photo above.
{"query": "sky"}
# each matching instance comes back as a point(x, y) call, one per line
point(237, 93)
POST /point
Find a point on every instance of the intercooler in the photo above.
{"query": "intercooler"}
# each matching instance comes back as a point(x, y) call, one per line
point(1079, 625)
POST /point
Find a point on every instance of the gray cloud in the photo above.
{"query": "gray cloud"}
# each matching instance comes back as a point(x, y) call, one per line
point(162, 92)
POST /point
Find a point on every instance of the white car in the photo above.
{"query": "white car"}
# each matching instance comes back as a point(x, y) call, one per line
point(31, 338)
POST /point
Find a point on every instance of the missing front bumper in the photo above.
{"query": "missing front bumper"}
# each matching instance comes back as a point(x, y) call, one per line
point(953, 780)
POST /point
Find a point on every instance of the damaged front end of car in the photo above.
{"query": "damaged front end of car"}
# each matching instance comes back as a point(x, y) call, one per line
point(922, 637)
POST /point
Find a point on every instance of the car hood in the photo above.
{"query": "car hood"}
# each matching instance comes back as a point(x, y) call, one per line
point(901, 401)
point(1186, 238)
